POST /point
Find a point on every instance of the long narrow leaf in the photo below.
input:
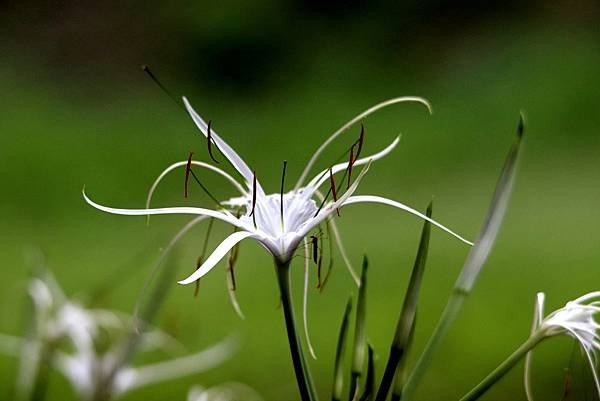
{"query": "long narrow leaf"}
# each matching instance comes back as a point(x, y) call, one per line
point(360, 331)
point(405, 325)
point(370, 380)
point(474, 263)
point(487, 236)
point(400, 377)
point(338, 370)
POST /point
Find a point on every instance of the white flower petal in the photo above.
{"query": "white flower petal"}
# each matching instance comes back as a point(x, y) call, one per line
point(587, 297)
point(323, 176)
point(340, 245)
point(218, 254)
point(78, 370)
point(237, 162)
point(592, 363)
point(233, 297)
point(385, 201)
point(350, 123)
point(305, 298)
point(589, 356)
point(329, 208)
point(538, 314)
point(166, 210)
point(195, 163)
point(342, 249)
point(527, 376)
point(175, 368)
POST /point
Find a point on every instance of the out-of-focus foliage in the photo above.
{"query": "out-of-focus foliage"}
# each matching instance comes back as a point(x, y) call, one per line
point(275, 78)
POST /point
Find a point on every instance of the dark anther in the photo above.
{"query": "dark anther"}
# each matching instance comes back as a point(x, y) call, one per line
point(319, 264)
point(315, 247)
point(197, 285)
point(333, 189)
point(361, 140)
point(281, 192)
point(330, 247)
point(188, 168)
point(353, 158)
point(210, 141)
point(231, 262)
point(233, 257)
point(351, 161)
point(253, 199)
point(200, 260)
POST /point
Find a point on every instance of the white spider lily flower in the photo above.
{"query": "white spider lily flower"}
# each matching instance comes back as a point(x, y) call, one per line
point(93, 371)
point(278, 221)
point(90, 373)
point(576, 320)
point(231, 391)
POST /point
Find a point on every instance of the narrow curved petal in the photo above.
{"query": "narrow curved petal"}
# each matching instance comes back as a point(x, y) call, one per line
point(305, 299)
point(166, 210)
point(235, 304)
point(218, 254)
point(587, 297)
point(538, 315)
point(237, 162)
point(322, 177)
point(329, 208)
point(589, 356)
point(195, 163)
point(233, 297)
point(385, 201)
point(130, 378)
point(340, 245)
point(527, 376)
point(592, 364)
point(350, 123)
point(342, 249)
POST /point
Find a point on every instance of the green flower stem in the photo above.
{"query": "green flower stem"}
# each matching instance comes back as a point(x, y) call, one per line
point(504, 367)
point(305, 385)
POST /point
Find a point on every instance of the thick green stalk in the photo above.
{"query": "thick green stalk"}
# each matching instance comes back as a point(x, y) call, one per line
point(305, 385)
point(503, 368)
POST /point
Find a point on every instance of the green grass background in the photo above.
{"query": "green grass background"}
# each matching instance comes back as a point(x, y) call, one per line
point(115, 135)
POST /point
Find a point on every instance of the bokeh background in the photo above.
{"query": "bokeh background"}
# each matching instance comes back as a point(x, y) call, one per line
point(276, 78)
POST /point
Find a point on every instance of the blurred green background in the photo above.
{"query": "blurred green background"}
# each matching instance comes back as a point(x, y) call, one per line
point(276, 78)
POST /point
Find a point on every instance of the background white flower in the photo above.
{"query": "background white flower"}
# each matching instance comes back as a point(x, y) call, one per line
point(75, 335)
point(576, 320)
point(224, 392)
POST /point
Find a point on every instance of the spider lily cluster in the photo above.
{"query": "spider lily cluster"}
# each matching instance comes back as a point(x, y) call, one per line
point(92, 349)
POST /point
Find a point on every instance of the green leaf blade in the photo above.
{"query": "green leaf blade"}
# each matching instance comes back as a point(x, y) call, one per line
point(338, 370)
point(406, 320)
